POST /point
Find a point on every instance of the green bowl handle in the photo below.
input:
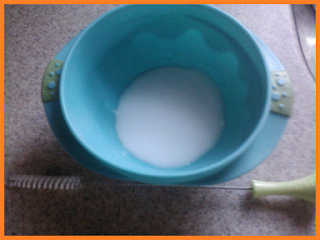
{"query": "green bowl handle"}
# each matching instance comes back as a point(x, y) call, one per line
point(50, 81)
point(282, 93)
point(304, 188)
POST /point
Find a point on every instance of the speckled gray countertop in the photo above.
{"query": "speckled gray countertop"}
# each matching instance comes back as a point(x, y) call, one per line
point(34, 34)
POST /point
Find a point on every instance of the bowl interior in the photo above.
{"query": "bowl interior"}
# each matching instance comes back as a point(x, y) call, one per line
point(132, 40)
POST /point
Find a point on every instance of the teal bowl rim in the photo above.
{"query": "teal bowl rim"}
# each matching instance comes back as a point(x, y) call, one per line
point(168, 176)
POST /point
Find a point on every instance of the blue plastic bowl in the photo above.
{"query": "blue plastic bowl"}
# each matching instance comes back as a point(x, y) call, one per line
point(132, 39)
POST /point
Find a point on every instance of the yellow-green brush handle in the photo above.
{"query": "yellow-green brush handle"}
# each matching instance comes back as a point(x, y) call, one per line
point(304, 188)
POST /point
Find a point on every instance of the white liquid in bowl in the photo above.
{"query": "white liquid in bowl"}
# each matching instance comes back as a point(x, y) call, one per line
point(170, 117)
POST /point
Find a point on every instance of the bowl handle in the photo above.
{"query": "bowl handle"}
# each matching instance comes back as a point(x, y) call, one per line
point(50, 81)
point(282, 93)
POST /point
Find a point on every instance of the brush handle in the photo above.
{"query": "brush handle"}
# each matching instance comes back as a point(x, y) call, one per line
point(304, 188)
